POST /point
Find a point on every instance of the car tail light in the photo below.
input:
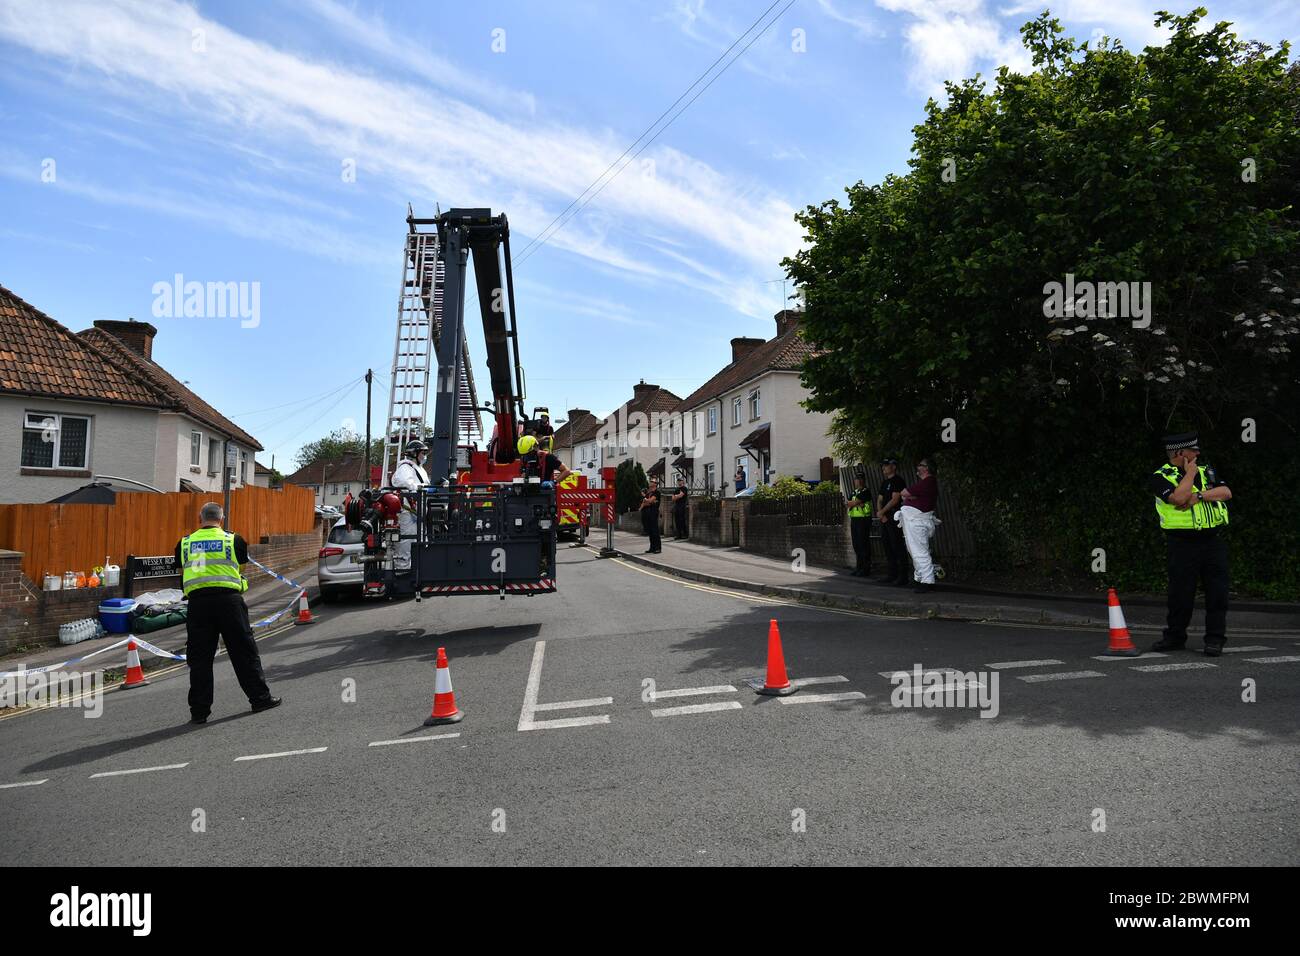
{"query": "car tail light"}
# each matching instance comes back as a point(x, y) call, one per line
point(370, 541)
point(330, 552)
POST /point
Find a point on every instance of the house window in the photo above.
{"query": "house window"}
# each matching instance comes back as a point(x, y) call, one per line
point(196, 449)
point(708, 476)
point(695, 426)
point(55, 441)
point(347, 490)
point(334, 489)
point(713, 420)
point(755, 404)
point(742, 466)
point(243, 467)
point(214, 456)
point(735, 410)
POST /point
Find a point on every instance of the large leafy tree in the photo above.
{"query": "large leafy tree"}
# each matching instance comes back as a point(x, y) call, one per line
point(1176, 166)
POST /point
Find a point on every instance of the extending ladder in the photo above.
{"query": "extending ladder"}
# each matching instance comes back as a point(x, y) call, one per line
point(419, 324)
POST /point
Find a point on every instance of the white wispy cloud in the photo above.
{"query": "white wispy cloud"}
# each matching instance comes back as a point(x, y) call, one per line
point(402, 134)
point(863, 26)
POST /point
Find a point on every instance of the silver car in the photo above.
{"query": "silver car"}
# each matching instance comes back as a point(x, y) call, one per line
point(339, 568)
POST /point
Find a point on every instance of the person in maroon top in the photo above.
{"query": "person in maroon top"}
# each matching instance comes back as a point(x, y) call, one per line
point(917, 512)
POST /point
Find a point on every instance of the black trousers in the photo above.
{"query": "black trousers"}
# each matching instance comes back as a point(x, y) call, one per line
point(895, 549)
point(221, 613)
point(860, 530)
point(679, 521)
point(650, 521)
point(1201, 556)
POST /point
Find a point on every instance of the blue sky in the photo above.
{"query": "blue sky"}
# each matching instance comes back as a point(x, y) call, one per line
point(225, 164)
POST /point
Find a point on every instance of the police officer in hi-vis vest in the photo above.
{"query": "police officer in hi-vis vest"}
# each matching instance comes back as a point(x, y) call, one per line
point(859, 505)
point(214, 589)
point(1191, 503)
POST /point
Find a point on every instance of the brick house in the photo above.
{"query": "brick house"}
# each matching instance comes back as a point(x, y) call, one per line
point(77, 405)
point(641, 430)
point(577, 444)
point(332, 481)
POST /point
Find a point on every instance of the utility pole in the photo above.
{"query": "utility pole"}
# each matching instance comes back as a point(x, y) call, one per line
point(370, 377)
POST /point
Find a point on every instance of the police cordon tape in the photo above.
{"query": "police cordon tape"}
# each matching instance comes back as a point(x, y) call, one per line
point(158, 651)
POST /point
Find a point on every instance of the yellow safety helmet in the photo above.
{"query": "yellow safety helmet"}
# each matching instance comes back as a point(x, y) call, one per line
point(526, 444)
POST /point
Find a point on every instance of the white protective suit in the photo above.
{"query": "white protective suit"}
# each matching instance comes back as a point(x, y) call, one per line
point(918, 529)
point(409, 477)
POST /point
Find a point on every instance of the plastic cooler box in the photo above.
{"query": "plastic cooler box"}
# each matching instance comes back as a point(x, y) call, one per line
point(115, 615)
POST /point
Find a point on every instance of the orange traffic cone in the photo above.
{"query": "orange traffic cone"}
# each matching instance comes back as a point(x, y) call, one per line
point(1121, 645)
point(304, 610)
point(134, 672)
point(444, 699)
point(778, 681)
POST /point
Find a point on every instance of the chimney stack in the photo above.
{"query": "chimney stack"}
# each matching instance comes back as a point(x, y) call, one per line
point(740, 347)
point(137, 336)
point(641, 388)
point(786, 320)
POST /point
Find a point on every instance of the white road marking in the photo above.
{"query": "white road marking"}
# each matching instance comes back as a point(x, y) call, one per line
point(1187, 666)
point(1289, 659)
point(570, 704)
point(25, 783)
point(889, 675)
point(694, 691)
point(696, 708)
point(412, 740)
point(1246, 648)
point(809, 681)
point(1007, 665)
point(123, 773)
point(1062, 675)
point(822, 698)
point(1112, 657)
point(531, 707)
point(283, 753)
point(567, 722)
point(916, 691)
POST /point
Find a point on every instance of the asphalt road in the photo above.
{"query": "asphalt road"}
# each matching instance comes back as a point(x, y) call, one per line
point(1184, 770)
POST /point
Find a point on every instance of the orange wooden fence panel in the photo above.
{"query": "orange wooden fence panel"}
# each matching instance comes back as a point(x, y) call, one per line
point(58, 538)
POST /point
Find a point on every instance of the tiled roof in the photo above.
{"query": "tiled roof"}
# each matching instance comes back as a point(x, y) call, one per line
point(39, 356)
point(182, 398)
point(350, 469)
point(785, 353)
point(645, 399)
point(578, 429)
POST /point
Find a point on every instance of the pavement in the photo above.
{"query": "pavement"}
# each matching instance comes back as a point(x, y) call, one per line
point(829, 587)
point(612, 723)
point(264, 597)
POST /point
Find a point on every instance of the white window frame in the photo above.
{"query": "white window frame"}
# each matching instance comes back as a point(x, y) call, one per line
point(709, 475)
point(41, 421)
point(712, 420)
point(243, 467)
point(214, 457)
point(695, 425)
point(736, 405)
point(196, 448)
point(755, 404)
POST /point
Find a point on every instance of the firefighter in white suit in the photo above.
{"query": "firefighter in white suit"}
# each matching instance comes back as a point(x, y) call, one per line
point(410, 477)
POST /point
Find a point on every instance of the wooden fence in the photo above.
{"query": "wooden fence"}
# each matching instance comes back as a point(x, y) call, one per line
point(58, 538)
